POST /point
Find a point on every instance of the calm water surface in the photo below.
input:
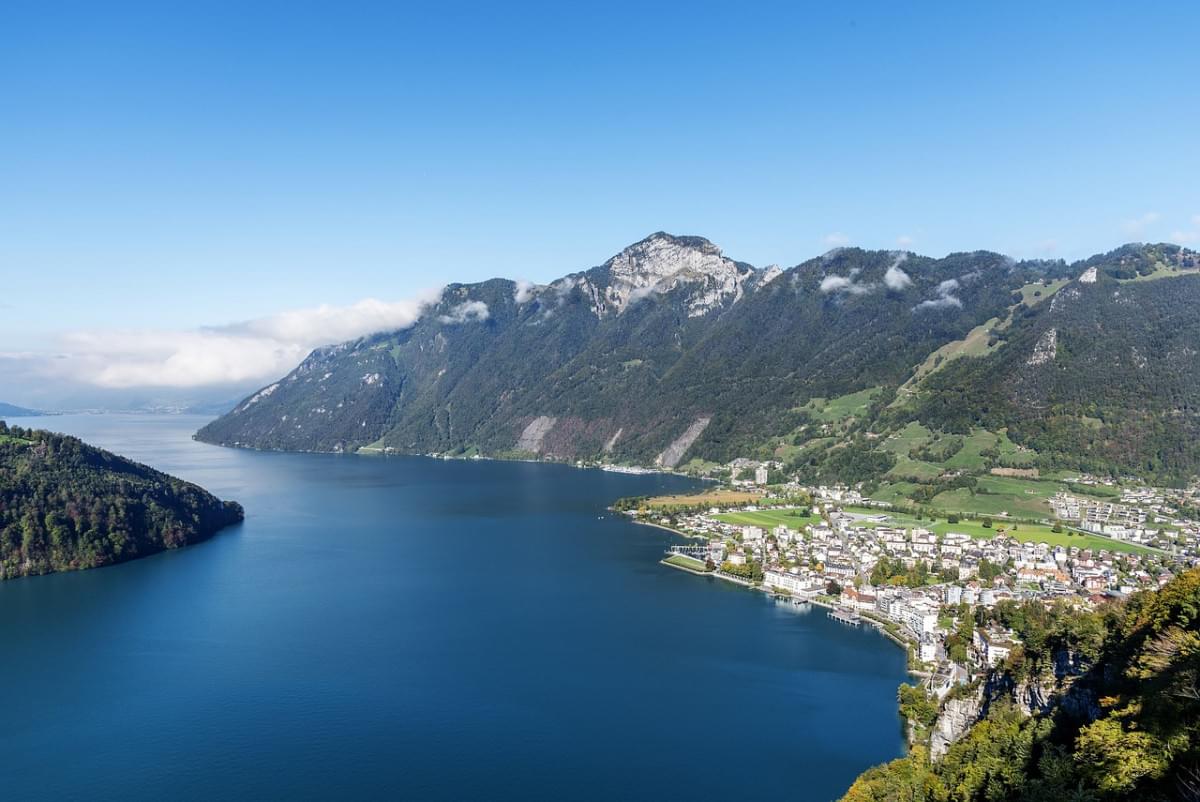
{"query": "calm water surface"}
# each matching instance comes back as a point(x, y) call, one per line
point(413, 628)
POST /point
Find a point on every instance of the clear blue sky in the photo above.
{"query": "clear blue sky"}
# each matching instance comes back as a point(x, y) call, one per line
point(162, 167)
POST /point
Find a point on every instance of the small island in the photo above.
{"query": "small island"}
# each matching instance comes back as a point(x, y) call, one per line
point(66, 506)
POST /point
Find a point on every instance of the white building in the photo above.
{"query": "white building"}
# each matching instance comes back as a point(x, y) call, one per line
point(991, 646)
point(790, 583)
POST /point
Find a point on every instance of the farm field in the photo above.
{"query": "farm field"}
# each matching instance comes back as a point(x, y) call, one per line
point(970, 457)
point(1036, 533)
point(903, 441)
point(714, 498)
point(832, 410)
point(895, 492)
point(1017, 505)
point(769, 519)
point(913, 469)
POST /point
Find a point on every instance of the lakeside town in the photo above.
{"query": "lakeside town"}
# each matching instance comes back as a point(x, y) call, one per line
point(931, 581)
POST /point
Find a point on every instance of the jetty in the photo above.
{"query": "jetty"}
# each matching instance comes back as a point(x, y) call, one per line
point(846, 617)
point(695, 552)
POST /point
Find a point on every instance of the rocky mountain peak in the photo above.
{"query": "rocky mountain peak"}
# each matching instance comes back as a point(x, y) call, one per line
point(662, 254)
point(662, 262)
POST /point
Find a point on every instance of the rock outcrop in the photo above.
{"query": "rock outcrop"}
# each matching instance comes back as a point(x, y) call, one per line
point(955, 718)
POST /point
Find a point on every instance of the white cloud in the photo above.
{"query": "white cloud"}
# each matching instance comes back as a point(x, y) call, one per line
point(904, 241)
point(466, 312)
point(895, 278)
point(523, 292)
point(147, 358)
point(836, 239)
point(642, 293)
point(1138, 225)
point(326, 324)
point(835, 283)
point(846, 284)
point(252, 350)
point(1185, 237)
point(940, 303)
point(945, 297)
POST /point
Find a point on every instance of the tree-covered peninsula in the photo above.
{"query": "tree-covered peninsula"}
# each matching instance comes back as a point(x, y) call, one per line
point(65, 505)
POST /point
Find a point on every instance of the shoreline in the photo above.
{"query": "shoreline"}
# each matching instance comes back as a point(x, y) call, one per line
point(874, 622)
point(370, 451)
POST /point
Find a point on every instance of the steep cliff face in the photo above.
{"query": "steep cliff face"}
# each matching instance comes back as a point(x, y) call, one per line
point(955, 718)
point(1037, 694)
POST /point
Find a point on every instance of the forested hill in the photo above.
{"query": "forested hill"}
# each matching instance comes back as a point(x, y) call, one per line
point(670, 352)
point(65, 505)
point(1116, 714)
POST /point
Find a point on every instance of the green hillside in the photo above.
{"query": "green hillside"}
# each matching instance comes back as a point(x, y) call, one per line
point(65, 505)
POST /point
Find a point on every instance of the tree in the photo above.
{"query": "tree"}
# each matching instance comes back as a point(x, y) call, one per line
point(832, 588)
point(989, 570)
point(916, 705)
point(1116, 759)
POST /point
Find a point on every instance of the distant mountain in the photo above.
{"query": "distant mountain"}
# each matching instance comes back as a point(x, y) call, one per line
point(671, 352)
point(65, 505)
point(12, 411)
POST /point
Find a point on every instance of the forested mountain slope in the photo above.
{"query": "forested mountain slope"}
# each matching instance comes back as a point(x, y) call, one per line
point(670, 352)
point(667, 338)
point(65, 505)
point(1104, 377)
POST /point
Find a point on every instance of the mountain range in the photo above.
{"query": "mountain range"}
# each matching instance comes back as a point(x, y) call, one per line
point(13, 411)
point(672, 354)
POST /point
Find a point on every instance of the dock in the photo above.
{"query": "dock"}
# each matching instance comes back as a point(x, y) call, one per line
point(846, 617)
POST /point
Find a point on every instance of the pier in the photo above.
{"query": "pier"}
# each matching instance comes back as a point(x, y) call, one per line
point(851, 618)
point(695, 552)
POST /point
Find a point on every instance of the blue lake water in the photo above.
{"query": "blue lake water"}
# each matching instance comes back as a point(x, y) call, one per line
point(420, 629)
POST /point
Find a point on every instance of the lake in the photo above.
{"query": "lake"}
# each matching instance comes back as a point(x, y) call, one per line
point(426, 629)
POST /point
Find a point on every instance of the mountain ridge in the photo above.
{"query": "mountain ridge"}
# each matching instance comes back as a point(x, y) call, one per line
point(623, 361)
